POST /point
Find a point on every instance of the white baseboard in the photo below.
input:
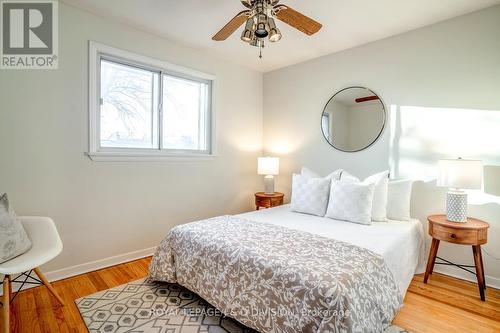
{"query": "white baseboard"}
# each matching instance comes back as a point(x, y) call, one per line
point(71, 271)
point(491, 281)
point(98, 264)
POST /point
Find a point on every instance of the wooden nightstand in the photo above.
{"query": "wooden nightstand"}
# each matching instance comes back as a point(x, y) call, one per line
point(268, 200)
point(473, 232)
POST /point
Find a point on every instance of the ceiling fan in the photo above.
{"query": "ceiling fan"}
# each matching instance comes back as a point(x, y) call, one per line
point(259, 18)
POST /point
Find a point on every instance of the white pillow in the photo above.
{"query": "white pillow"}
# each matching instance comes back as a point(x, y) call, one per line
point(347, 177)
point(309, 195)
point(13, 238)
point(379, 208)
point(398, 199)
point(380, 180)
point(311, 174)
point(351, 201)
point(305, 171)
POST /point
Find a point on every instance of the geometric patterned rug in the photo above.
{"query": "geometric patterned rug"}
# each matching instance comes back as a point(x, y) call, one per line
point(155, 307)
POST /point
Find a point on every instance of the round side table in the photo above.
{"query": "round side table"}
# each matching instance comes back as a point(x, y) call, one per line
point(473, 232)
point(268, 200)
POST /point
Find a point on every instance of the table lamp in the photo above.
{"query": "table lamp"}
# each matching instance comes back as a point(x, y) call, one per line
point(459, 174)
point(268, 166)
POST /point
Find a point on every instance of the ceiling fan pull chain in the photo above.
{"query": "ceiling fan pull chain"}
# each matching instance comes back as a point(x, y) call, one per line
point(260, 52)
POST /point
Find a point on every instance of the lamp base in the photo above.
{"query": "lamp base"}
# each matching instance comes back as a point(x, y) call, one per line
point(269, 184)
point(456, 206)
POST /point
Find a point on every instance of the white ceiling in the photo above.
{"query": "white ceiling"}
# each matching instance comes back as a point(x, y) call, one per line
point(346, 23)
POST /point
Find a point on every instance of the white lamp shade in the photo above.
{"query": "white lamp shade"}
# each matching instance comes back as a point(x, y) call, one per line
point(268, 166)
point(460, 173)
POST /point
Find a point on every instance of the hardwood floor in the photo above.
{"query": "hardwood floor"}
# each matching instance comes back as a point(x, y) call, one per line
point(446, 304)
point(443, 305)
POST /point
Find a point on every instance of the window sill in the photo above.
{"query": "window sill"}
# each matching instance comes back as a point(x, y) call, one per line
point(146, 157)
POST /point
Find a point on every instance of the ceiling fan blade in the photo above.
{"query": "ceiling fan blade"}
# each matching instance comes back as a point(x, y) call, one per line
point(231, 26)
point(297, 20)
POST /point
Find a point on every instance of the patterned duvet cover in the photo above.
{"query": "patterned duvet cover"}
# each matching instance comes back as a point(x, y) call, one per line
point(275, 279)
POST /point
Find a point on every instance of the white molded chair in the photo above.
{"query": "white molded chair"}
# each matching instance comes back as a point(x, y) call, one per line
point(46, 245)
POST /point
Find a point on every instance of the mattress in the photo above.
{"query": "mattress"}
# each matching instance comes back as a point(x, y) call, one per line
point(401, 243)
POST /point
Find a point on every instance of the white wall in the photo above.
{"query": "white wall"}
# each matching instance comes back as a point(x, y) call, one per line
point(442, 86)
point(104, 209)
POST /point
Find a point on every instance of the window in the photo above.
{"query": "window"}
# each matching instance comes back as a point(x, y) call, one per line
point(325, 125)
point(128, 104)
point(141, 107)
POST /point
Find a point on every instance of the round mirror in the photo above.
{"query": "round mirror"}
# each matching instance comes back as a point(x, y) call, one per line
point(353, 119)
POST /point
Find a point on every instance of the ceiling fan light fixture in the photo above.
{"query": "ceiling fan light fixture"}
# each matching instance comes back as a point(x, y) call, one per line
point(257, 42)
point(261, 28)
point(274, 35)
point(259, 7)
point(258, 18)
point(247, 33)
point(274, 32)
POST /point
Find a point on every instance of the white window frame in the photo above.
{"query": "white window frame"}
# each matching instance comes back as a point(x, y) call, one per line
point(98, 51)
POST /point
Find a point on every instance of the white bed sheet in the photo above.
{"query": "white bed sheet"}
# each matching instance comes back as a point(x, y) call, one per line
point(399, 242)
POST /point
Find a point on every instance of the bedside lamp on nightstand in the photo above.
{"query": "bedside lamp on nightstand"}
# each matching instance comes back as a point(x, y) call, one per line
point(268, 166)
point(459, 174)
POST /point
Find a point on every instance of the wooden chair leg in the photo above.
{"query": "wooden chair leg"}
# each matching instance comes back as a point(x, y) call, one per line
point(6, 304)
point(48, 285)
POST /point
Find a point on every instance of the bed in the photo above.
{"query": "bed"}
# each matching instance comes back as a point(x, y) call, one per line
point(399, 242)
point(275, 270)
